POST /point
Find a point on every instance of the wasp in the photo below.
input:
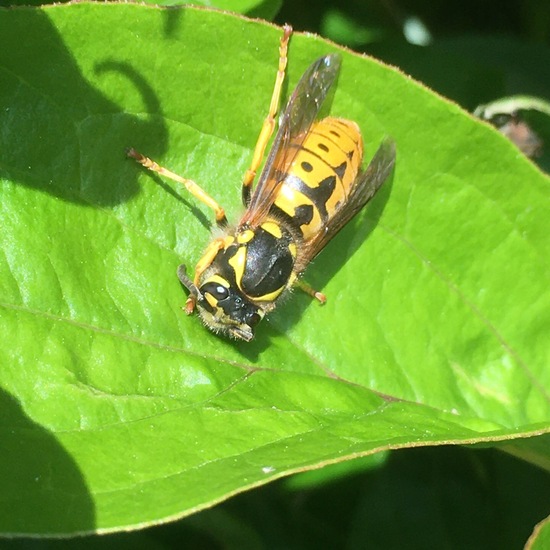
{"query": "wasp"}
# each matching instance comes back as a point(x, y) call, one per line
point(311, 185)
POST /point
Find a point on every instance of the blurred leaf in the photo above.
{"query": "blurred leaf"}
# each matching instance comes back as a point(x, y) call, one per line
point(330, 474)
point(342, 28)
point(121, 411)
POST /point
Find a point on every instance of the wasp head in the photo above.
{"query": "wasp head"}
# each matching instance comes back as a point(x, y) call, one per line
point(222, 307)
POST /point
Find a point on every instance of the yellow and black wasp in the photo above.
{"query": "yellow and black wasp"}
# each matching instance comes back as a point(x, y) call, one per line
point(310, 187)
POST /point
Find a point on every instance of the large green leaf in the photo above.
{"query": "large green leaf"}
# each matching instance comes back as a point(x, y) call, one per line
point(266, 9)
point(121, 411)
point(540, 539)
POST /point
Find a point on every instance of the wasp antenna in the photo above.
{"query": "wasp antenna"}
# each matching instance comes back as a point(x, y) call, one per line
point(187, 282)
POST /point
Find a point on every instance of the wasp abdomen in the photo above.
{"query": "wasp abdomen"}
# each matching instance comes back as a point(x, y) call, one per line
point(320, 178)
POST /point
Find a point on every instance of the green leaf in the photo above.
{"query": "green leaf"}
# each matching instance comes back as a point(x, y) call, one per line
point(120, 411)
point(540, 539)
point(266, 9)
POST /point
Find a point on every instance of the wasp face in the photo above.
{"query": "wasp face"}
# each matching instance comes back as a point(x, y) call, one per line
point(225, 309)
point(248, 273)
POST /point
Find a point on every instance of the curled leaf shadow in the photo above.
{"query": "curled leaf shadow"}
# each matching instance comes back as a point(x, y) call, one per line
point(43, 490)
point(55, 122)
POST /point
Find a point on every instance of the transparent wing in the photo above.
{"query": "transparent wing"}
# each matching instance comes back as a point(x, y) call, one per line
point(300, 113)
point(367, 184)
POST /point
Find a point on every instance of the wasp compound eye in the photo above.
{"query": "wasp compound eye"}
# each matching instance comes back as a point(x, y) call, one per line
point(219, 292)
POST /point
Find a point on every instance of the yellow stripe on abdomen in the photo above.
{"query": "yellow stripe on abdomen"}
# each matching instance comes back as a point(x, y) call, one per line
point(321, 175)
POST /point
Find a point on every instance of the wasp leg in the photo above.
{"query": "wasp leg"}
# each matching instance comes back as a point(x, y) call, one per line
point(190, 185)
point(193, 285)
point(207, 258)
point(269, 122)
point(304, 287)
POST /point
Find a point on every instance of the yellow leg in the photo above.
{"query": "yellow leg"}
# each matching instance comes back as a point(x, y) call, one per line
point(269, 122)
point(304, 287)
point(193, 286)
point(207, 258)
point(190, 185)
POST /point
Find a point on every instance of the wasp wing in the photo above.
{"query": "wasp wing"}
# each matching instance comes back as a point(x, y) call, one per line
point(300, 113)
point(365, 187)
